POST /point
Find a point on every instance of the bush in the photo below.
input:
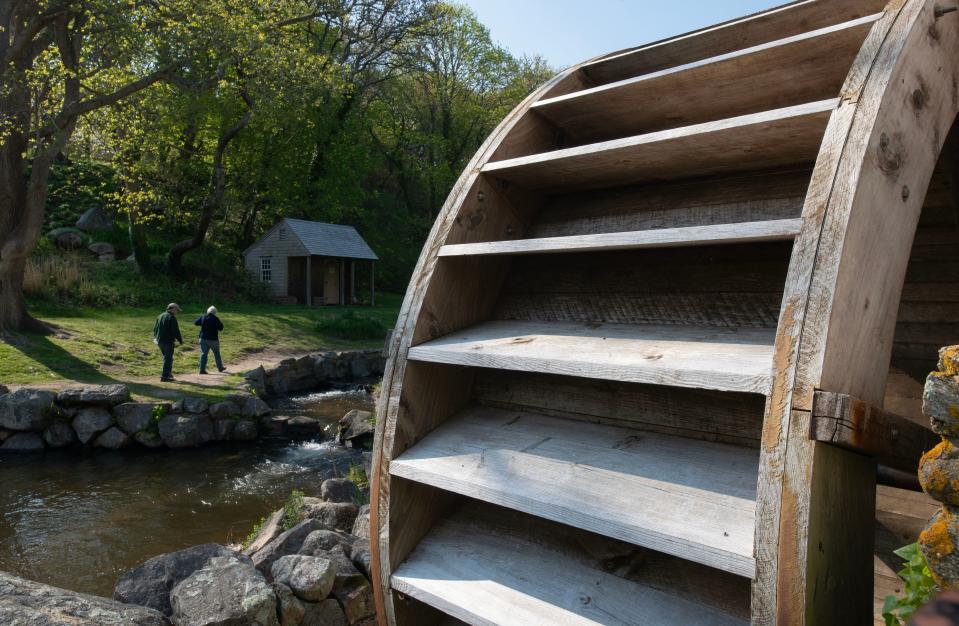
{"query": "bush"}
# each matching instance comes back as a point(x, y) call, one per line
point(919, 587)
point(293, 509)
point(349, 325)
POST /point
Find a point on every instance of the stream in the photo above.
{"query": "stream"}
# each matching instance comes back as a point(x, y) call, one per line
point(78, 519)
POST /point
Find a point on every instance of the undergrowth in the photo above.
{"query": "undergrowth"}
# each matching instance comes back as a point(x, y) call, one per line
point(293, 509)
point(351, 325)
point(918, 587)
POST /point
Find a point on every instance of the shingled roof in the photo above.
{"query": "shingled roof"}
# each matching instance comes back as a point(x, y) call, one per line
point(335, 240)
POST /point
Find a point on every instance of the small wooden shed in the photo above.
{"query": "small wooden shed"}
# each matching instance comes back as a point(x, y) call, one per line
point(311, 263)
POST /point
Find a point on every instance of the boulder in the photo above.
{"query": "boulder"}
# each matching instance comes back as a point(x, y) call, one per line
point(181, 430)
point(23, 442)
point(360, 555)
point(250, 405)
point(290, 607)
point(288, 542)
point(256, 381)
point(245, 430)
point(938, 542)
point(302, 425)
point(225, 592)
point(132, 417)
point(339, 490)
point(27, 409)
point(59, 434)
point(205, 426)
point(223, 429)
point(148, 438)
point(310, 577)
point(150, 583)
point(90, 422)
point(27, 603)
point(319, 542)
point(195, 405)
point(361, 527)
point(102, 248)
point(360, 368)
point(96, 218)
point(275, 424)
point(269, 531)
point(326, 613)
point(939, 473)
point(940, 403)
point(338, 515)
point(113, 439)
point(351, 588)
point(99, 395)
point(224, 410)
point(67, 238)
point(4, 389)
point(5, 434)
point(356, 428)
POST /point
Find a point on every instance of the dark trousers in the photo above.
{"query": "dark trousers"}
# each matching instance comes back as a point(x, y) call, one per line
point(167, 350)
point(205, 347)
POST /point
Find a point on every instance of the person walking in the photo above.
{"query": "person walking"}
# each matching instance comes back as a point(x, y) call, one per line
point(166, 330)
point(210, 327)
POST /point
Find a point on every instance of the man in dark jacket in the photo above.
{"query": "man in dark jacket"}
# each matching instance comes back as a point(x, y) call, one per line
point(210, 327)
point(166, 330)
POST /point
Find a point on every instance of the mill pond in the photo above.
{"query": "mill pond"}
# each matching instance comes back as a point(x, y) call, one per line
point(78, 519)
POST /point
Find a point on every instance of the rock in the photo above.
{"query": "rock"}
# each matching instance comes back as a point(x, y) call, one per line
point(225, 592)
point(181, 431)
point(275, 424)
point(27, 409)
point(326, 613)
point(224, 410)
point(245, 430)
point(59, 434)
point(256, 381)
point(291, 608)
point(360, 368)
point(96, 218)
point(351, 588)
point(356, 427)
point(938, 544)
point(250, 405)
point(23, 442)
point(150, 583)
point(939, 473)
point(195, 405)
point(347, 575)
point(113, 439)
point(360, 555)
point(132, 417)
point(101, 248)
point(4, 389)
point(107, 258)
point(339, 490)
point(5, 434)
point(205, 426)
point(319, 542)
point(338, 515)
point(310, 577)
point(361, 527)
point(100, 395)
point(288, 542)
point(949, 360)
point(90, 422)
point(223, 429)
point(940, 403)
point(177, 407)
point(303, 425)
point(148, 438)
point(27, 603)
point(269, 531)
point(67, 238)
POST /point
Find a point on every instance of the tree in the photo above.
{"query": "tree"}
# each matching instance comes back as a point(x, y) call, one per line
point(59, 60)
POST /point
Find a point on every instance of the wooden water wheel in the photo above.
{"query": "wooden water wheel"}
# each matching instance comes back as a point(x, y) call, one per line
point(605, 396)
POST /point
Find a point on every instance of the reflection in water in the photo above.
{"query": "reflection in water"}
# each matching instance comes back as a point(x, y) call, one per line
point(79, 518)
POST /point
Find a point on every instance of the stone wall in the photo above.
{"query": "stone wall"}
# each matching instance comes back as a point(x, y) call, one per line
point(314, 371)
point(103, 416)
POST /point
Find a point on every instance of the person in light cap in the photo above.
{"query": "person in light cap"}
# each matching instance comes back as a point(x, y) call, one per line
point(166, 330)
point(210, 327)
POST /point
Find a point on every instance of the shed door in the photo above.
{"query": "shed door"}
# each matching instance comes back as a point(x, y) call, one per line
point(296, 278)
point(331, 282)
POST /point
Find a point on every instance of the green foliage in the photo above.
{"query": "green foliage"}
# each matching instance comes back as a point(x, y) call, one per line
point(357, 476)
point(256, 531)
point(293, 509)
point(74, 187)
point(919, 587)
point(159, 412)
point(351, 325)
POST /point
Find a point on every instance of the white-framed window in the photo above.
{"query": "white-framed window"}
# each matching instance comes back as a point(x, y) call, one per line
point(266, 269)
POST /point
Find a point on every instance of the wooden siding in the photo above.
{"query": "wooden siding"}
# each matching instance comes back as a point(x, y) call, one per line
point(270, 245)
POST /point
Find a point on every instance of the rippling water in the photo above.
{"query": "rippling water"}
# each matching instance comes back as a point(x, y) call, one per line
point(78, 519)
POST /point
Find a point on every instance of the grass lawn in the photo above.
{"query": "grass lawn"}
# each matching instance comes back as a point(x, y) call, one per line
point(116, 345)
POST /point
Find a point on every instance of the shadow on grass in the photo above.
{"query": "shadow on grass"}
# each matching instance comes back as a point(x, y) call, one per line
point(39, 348)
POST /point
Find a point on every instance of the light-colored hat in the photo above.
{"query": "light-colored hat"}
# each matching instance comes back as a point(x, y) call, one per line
point(173, 306)
point(211, 311)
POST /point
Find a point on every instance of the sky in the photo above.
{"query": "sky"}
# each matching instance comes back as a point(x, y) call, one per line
point(566, 32)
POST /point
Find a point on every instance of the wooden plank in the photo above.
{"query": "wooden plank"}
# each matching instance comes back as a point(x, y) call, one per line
point(859, 427)
point(703, 358)
point(752, 30)
point(497, 568)
point(743, 232)
point(688, 498)
point(700, 414)
point(781, 73)
point(769, 139)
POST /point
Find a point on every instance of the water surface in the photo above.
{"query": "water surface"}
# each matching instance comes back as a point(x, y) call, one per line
point(79, 518)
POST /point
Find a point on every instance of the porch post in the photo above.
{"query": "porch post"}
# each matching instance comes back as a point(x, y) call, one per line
point(309, 280)
point(372, 286)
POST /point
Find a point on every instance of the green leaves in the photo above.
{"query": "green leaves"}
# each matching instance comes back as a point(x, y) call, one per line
point(919, 587)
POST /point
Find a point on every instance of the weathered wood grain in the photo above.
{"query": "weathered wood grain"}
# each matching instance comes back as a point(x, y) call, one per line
point(701, 358)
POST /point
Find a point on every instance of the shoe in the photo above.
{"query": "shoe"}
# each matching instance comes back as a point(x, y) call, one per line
point(222, 369)
point(167, 379)
point(204, 372)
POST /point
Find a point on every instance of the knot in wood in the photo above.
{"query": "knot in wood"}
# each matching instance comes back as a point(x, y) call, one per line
point(888, 154)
